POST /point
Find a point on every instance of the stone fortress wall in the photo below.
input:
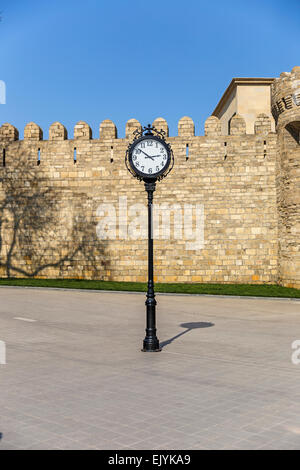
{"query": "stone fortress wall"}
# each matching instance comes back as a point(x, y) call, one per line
point(246, 186)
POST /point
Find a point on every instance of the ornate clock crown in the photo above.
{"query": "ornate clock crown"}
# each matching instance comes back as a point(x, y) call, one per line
point(149, 130)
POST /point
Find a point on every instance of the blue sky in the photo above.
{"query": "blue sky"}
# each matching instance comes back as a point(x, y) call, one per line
point(71, 60)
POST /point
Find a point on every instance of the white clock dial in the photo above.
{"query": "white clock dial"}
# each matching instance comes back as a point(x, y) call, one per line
point(149, 157)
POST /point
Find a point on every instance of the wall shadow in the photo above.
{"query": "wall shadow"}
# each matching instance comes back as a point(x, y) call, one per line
point(189, 327)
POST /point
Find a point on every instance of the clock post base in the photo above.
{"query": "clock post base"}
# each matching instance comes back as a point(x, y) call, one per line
point(151, 350)
point(151, 346)
point(151, 342)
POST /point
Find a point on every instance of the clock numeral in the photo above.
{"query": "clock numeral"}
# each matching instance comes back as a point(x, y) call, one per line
point(134, 157)
point(149, 143)
point(165, 157)
point(150, 170)
point(162, 164)
point(137, 151)
point(143, 168)
point(157, 168)
point(137, 164)
point(162, 150)
point(142, 145)
point(156, 144)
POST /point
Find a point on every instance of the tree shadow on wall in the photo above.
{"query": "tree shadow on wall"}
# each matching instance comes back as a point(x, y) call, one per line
point(45, 227)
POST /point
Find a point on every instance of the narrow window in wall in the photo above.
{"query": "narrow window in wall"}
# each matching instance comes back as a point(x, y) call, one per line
point(265, 148)
point(39, 157)
point(3, 157)
point(225, 154)
point(111, 154)
point(75, 155)
point(187, 152)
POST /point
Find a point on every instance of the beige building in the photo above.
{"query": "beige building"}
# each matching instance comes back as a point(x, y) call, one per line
point(247, 97)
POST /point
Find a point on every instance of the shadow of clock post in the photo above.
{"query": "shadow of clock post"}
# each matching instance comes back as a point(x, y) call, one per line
point(149, 158)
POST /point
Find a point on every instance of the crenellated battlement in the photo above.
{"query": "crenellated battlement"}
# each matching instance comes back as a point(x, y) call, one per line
point(84, 149)
point(8, 133)
point(58, 132)
point(108, 131)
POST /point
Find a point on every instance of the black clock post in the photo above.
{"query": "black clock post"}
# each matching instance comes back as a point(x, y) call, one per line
point(149, 144)
point(151, 342)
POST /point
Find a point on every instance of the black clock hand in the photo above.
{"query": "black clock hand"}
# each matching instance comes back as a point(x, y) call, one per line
point(147, 156)
point(144, 152)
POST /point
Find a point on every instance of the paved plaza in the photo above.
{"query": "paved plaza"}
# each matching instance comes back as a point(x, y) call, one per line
point(75, 377)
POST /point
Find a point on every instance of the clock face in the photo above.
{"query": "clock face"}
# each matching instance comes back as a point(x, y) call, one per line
point(149, 157)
